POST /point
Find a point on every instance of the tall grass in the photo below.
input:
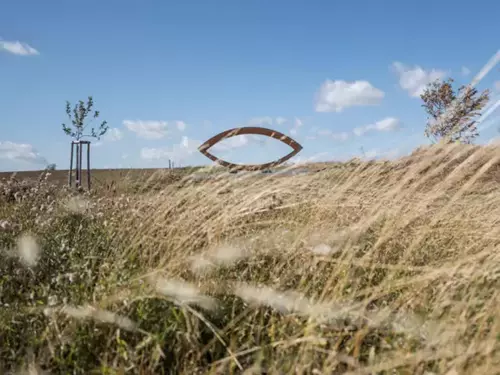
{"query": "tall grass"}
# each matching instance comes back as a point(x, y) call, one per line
point(360, 268)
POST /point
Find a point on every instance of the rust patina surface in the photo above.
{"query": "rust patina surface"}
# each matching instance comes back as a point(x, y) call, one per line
point(296, 147)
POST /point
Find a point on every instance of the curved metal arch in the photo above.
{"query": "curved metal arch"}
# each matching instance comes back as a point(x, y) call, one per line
point(296, 147)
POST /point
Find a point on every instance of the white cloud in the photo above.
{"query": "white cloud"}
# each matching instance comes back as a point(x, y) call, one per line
point(266, 120)
point(379, 154)
point(492, 62)
point(415, 79)
point(342, 136)
point(179, 152)
point(370, 154)
point(497, 85)
point(297, 124)
point(488, 116)
point(147, 129)
point(280, 120)
point(232, 143)
point(388, 124)
point(21, 152)
point(154, 153)
point(465, 71)
point(17, 48)
point(181, 125)
point(334, 96)
point(260, 121)
point(239, 141)
point(325, 132)
point(113, 135)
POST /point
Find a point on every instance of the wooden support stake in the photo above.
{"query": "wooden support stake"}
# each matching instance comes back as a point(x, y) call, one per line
point(70, 176)
point(81, 163)
point(77, 147)
point(88, 165)
point(77, 166)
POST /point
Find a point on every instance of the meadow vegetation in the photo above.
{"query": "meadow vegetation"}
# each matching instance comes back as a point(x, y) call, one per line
point(381, 267)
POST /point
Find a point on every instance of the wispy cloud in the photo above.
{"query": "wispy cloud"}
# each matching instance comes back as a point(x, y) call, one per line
point(280, 120)
point(388, 124)
point(17, 48)
point(181, 125)
point(258, 121)
point(239, 141)
point(329, 134)
point(266, 120)
point(465, 71)
point(414, 79)
point(179, 152)
point(147, 129)
point(297, 124)
point(21, 152)
point(335, 96)
point(492, 62)
point(113, 135)
point(153, 129)
point(382, 154)
point(232, 143)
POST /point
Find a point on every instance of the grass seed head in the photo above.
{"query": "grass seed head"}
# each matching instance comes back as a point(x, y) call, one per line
point(28, 250)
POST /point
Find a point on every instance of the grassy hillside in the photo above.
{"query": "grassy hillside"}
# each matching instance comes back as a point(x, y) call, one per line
point(359, 268)
point(101, 179)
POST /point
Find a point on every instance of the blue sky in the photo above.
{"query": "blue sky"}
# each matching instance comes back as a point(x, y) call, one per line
point(341, 78)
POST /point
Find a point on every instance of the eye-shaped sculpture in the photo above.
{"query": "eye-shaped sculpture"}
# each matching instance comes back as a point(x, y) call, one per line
point(250, 130)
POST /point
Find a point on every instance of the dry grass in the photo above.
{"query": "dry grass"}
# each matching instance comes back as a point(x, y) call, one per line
point(360, 268)
point(114, 181)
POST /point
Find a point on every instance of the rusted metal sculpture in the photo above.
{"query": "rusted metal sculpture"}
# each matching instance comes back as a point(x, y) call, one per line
point(296, 147)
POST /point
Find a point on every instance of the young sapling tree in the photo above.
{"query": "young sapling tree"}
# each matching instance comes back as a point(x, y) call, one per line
point(76, 129)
